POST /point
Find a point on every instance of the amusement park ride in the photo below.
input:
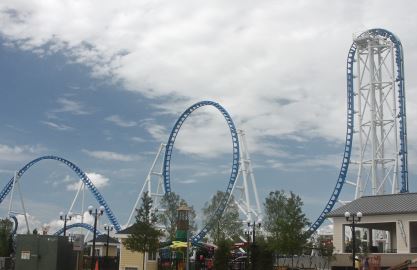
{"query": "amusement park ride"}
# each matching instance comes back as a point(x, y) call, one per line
point(376, 122)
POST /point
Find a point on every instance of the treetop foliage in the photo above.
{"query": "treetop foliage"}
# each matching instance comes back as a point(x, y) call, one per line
point(229, 225)
point(286, 222)
point(168, 218)
point(145, 236)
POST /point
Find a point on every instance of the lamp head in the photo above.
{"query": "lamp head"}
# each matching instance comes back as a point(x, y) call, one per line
point(101, 209)
point(61, 215)
point(259, 223)
point(359, 215)
point(70, 215)
point(347, 215)
point(90, 209)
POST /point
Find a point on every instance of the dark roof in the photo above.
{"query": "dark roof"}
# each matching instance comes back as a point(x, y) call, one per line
point(401, 203)
point(128, 230)
point(102, 238)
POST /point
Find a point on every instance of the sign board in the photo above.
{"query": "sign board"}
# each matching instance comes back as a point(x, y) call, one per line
point(25, 255)
point(78, 242)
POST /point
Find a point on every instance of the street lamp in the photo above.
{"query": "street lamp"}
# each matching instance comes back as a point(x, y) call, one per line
point(252, 231)
point(96, 213)
point(108, 228)
point(65, 218)
point(353, 218)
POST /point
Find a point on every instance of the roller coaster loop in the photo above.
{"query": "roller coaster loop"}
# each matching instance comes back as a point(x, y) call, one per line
point(78, 225)
point(235, 165)
point(83, 176)
point(350, 114)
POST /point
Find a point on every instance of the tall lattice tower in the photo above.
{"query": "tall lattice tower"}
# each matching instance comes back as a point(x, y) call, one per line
point(380, 132)
point(375, 154)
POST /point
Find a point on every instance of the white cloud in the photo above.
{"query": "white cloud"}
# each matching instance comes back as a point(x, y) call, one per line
point(19, 152)
point(60, 127)
point(188, 181)
point(117, 120)
point(56, 224)
point(98, 180)
point(301, 162)
point(138, 139)
point(71, 106)
point(279, 68)
point(158, 132)
point(32, 221)
point(107, 155)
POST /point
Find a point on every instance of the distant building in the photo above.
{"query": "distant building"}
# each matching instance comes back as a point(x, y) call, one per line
point(44, 252)
point(388, 228)
point(130, 260)
point(101, 246)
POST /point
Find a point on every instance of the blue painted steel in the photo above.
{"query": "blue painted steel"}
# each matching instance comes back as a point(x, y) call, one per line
point(235, 165)
point(78, 225)
point(96, 193)
point(349, 131)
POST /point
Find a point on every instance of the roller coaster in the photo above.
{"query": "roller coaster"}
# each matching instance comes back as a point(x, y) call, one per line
point(378, 38)
point(366, 40)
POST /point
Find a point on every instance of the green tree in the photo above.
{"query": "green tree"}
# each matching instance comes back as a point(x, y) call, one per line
point(170, 202)
point(286, 222)
point(262, 254)
point(144, 237)
point(6, 228)
point(228, 225)
point(222, 254)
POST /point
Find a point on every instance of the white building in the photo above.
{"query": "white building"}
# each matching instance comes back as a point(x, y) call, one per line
point(388, 228)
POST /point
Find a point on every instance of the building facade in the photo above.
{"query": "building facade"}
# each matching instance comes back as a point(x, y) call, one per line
point(131, 260)
point(387, 229)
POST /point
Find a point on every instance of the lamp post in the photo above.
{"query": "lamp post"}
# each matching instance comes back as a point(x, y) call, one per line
point(252, 231)
point(353, 218)
point(65, 218)
point(96, 213)
point(108, 228)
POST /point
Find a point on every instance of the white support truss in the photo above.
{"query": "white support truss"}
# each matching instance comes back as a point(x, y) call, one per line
point(376, 118)
point(245, 188)
point(16, 184)
point(155, 176)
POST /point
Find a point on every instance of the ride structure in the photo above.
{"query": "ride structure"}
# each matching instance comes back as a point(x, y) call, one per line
point(375, 60)
point(9, 187)
point(235, 161)
point(153, 178)
point(245, 188)
point(78, 225)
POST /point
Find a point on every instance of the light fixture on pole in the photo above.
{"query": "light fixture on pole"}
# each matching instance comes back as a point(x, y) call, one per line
point(108, 228)
point(353, 218)
point(252, 231)
point(96, 213)
point(65, 218)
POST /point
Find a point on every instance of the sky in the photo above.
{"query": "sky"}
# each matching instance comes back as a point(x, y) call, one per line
point(101, 83)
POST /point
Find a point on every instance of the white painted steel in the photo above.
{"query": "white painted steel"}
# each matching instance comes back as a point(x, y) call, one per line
point(245, 186)
point(376, 116)
point(155, 172)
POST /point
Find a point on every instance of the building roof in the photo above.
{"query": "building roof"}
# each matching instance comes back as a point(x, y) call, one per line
point(401, 203)
point(102, 238)
point(128, 230)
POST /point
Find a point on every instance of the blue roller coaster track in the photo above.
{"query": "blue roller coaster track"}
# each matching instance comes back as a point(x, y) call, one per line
point(78, 225)
point(83, 176)
point(399, 60)
point(235, 164)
